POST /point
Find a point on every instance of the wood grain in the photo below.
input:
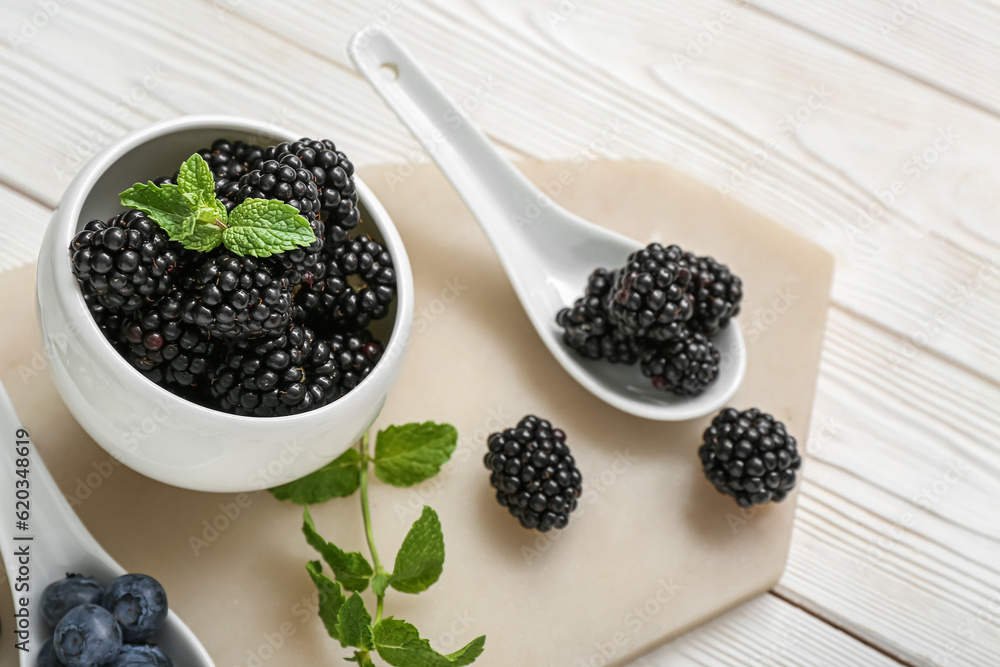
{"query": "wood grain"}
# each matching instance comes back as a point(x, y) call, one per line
point(912, 392)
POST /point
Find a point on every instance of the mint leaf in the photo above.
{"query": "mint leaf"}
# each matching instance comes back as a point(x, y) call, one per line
point(331, 598)
point(196, 181)
point(337, 479)
point(354, 624)
point(350, 568)
point(201, 237)
point(263, 227)
point(420, 559)
point(380, 582)
point(408, 454)
point(400, 645)
point(165, 205)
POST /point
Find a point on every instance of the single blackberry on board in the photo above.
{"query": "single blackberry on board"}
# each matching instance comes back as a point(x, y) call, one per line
point(355, 355)
point(650, 298)
point(334, 176)
point(233, 295)
point(534, 474)
point(124, 261)
point(717, 293)
point(282, 374)
point(685, 366)
point(358, 286)
point(588, 328)
point(750, 456)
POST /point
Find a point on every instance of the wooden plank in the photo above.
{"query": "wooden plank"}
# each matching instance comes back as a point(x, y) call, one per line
point(21, 228)
point(894, 540)
point(951, 46)
point(766, 631)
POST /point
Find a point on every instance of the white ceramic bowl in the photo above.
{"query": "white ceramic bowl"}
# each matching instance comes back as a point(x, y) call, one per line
point(143, 425)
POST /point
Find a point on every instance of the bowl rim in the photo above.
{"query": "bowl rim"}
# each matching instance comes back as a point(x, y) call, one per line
point(69, 293)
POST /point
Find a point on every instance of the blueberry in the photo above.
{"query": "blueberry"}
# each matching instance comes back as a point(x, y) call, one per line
point(138, 603)
point(87, 636)
point(141, 656)
point(61, 596)
point(47, 656)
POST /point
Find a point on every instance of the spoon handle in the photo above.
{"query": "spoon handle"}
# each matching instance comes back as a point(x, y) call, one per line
point(492, 188)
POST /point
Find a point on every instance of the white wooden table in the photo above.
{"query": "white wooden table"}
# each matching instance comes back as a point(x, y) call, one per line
point(870, 127)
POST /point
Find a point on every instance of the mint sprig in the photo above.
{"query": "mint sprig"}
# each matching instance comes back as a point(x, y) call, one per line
point(190, 214)
point(404, 455)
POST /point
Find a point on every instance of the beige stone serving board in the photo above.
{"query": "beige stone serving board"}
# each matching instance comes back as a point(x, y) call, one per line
point(653, 550)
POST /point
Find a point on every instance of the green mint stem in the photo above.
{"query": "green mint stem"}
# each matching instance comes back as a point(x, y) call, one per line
point(366, 513)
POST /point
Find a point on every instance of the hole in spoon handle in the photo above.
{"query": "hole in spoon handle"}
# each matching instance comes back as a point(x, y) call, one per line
point(389, 71)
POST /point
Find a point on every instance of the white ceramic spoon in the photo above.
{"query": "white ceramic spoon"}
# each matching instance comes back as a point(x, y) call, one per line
point(59, 544)
point(547, 251)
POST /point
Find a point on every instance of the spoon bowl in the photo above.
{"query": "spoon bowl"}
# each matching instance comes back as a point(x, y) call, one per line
point(547, 252)
point(58, 543)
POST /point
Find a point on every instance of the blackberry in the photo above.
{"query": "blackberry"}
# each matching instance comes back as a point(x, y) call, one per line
point(534, 474)
point(334, 175)
point(685, 366)
point(589, 329)
point(750, 456)
point(164, 348)
point(124, 261)
point(283, 374)
point(358, 287)
point(230, 160)
point(355, 355)
point(286, 180)
point(230, 294)
point(650, 298)
point(717, 293)
point(109, 320)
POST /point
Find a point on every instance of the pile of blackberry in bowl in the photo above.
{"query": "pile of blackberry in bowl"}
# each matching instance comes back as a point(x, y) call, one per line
point(661, 310)
point(241, 282)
